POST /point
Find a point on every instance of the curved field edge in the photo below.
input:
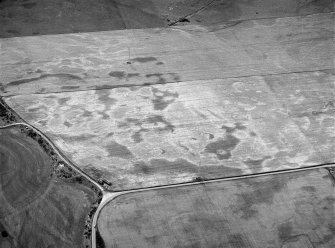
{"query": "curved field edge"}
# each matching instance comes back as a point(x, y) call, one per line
point(61, 170)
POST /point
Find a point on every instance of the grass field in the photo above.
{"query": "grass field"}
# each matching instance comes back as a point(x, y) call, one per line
point(287, 210)
point(161, 134)
point(37, 207)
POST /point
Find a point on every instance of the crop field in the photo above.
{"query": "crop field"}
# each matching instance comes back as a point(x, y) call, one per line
point(129, 107)
point(287, 210)
point(38, 207)
point(162, 134)
point(167, 124)
point(76, 62)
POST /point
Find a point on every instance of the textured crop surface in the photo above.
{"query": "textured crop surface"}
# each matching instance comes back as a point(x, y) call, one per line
point(158, 106)
point(287, 210)
point(73, 62)
point(37, 208)
point(152, 135)
point(169, 105)
point(145, 93)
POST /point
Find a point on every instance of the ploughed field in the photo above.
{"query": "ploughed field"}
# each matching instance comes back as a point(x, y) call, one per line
point(42, 203)
point(286, 210)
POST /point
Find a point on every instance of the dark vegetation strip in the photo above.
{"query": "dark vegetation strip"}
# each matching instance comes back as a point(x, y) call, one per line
point(99, 240)
point(332, 171)
point(8, 115)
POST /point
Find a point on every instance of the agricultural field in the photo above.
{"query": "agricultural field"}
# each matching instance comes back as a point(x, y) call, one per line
point(112, 59)
point(128, 107)
point(211, 12)
point(199, 123)
point(42, 203)
point(286, 210)
point(40, 17)
point(162, 134)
